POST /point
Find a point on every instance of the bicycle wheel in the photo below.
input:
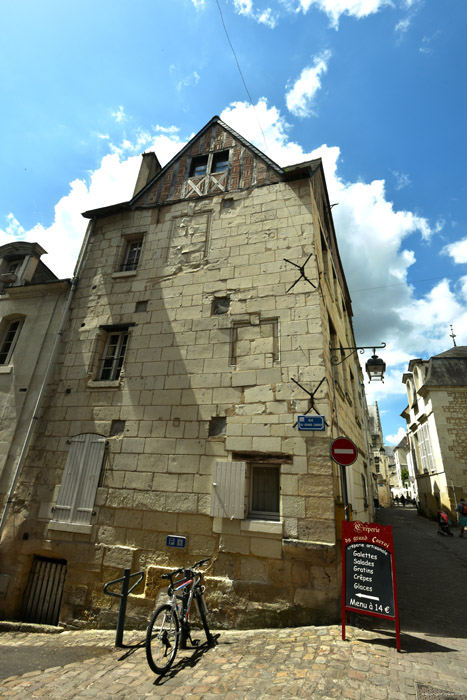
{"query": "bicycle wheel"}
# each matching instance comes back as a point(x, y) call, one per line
point(162, 638)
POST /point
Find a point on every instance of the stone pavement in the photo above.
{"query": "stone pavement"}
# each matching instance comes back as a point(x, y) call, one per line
point(308, 662)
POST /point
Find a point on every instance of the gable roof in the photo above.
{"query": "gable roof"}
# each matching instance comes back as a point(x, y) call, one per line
point(449, 368)
point(206, 143)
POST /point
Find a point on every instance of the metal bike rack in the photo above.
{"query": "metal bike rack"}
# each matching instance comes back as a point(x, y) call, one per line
point(123, 595)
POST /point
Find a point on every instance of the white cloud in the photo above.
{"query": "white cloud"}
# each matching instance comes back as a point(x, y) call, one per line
point(191, 79)
point(336, 8)
point(371, 234)
point(402, 179)
point(403, 25)
point(300, 97)
point(457, 251)
point(246, 8)
point(266, 17)
point(113, 181)
point(119, 115)
point(395, 439)
point(199, 4)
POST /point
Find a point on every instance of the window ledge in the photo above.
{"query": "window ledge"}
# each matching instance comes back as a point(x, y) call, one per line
point(124, 273)
point(107, 384)
point(270, 527)
point(69, 527)
point(6, 369)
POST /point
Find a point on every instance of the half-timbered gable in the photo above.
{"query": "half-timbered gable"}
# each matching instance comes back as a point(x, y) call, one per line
point(215, 161)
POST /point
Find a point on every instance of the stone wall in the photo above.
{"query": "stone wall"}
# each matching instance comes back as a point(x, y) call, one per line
point(186, 367)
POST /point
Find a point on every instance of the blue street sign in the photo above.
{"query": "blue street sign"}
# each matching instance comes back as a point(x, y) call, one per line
point(175, 541)
point(311, 423)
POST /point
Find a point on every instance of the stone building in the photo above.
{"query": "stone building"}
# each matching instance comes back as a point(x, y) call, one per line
point(32, 304)
point(202, 326)
point(437, 428)
point(381, 474)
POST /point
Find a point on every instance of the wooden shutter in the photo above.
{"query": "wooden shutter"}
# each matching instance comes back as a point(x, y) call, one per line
point(77, 493)
point(228, 490)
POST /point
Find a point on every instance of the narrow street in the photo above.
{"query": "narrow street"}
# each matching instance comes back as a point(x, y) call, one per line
point(308, 662)
point(431, 572)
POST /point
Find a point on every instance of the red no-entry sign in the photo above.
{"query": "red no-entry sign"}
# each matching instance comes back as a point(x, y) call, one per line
point(344, 451)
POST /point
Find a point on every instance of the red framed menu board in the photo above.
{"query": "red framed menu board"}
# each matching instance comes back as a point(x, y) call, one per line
point(368, 573)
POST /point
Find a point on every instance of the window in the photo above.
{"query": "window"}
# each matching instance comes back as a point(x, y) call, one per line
point(208, 164)
point(207, 174)
point(141, 306)
point(113, 355)
point(264, 491)
point(364, 491)
point(217, 426)
point(220, 305)
point(228, 490)
point(424, 448)
point(199, 166)
point(132, 254)
point(75, 502)
point(220, 162)
point(9, 340)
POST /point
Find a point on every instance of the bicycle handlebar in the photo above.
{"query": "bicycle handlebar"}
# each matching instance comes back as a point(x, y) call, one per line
point(181, 571)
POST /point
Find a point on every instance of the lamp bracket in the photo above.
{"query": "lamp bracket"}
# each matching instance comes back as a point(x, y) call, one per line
point(311, 394)
point(361, 349)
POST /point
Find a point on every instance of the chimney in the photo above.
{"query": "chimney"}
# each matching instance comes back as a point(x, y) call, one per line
point(150, 166)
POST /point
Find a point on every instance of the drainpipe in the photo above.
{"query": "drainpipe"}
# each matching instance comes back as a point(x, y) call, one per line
point(35, 415)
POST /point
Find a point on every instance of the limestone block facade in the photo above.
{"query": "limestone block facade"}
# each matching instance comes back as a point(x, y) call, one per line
point(437, 422)
point(201, 326)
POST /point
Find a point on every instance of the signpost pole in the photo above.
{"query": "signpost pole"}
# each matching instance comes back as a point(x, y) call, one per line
point(344, 493)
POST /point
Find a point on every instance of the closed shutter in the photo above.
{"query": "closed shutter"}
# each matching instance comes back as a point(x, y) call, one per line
point(77, 493)
point(228, 490)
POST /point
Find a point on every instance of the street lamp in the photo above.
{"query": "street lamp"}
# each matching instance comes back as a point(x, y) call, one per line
point(375, 367)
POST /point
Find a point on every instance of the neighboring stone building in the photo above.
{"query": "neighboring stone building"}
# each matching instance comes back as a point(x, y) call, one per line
point(381, 474)
point(173, 408)
point(437, 428)
point(32, 304)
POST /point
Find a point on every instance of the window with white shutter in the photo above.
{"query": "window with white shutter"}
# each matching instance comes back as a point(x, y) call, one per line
point(424, 446)
point(75, 502)
point(228, 490)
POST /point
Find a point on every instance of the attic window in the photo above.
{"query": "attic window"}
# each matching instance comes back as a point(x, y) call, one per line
point(220, 162)
point(199, 166)
point(212, 163)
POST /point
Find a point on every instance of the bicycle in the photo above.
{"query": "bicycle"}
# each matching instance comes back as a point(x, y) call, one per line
point(169, 626)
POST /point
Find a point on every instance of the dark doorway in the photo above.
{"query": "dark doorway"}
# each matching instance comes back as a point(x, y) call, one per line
point(43, 594)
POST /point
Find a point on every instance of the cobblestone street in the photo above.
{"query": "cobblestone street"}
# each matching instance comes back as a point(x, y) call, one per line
point(309, 662)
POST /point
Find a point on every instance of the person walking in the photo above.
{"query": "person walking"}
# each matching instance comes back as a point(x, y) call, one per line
point(461, 508)
point(402, 499)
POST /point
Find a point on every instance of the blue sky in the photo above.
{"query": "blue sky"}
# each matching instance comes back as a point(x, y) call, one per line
point(374, 87)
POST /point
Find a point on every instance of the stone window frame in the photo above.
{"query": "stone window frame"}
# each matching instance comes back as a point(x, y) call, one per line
point(130, 254)
point(255, 321)
point(100, 353)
